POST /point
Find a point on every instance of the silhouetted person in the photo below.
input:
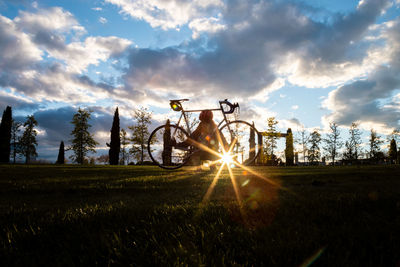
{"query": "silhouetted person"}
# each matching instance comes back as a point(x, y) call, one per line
point(207, 134)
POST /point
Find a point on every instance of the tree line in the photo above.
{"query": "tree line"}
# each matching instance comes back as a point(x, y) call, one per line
point(130, 144)
point(316, 148)
point(14, 144)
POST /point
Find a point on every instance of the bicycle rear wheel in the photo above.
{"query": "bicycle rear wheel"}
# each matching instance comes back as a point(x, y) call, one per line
point(162, 149)
point(246, 139)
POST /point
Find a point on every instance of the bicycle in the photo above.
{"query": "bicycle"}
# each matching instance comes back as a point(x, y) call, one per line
point(243, 136)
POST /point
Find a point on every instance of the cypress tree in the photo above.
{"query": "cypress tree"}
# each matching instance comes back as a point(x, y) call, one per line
point(61, 157)
point(167, 148)
point(289, 151)
point(252, 143)
point(5, 135)
point(393, 151)
point(115, 144)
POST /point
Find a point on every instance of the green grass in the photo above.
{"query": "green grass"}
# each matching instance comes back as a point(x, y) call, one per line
point(72, 215)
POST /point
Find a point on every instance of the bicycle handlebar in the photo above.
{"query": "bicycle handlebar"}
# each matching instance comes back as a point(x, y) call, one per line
point(231, 106)
point(177, 106)
point(179, 100)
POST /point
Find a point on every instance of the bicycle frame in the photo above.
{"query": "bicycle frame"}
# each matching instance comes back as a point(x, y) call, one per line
point(164, 137)
point(184, 116)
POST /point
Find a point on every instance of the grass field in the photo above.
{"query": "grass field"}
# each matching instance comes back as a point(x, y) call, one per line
point(71, 215)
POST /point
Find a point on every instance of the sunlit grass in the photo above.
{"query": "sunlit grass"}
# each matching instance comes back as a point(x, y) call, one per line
point(72, 215)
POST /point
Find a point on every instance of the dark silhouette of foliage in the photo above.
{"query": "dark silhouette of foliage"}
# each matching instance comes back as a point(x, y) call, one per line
point(393, 151)
point(61, 154)
point(5, 135)
point(271, 136)
point(15, 138)
point(289, 150)
point(115, 144)
point(374, 145)
point(303, 141)
point(140, 133)
point(167, 149)
point(103, 158)
point(83, 141)
point(252, 143)
point(28, 141)
point(124, 143)
point(332, 142)
point(314, 152)
point(352, 150)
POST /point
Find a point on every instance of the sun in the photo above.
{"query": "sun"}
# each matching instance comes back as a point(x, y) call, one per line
point(227, 158)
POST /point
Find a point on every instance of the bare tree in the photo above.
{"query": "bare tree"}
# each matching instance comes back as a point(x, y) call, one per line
point(140, 133)
point(352, 145)
point(271, 136)
point(303, 141)
point(374, 144)
point(103, 158)
point(124, 144)
point(332, 142)
point(15, 138)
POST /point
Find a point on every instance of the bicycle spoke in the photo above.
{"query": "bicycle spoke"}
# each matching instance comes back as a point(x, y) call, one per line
point(243, 140)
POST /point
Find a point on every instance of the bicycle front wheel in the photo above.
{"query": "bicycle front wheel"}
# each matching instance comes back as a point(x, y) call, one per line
point(163, 147)
point(245, 140)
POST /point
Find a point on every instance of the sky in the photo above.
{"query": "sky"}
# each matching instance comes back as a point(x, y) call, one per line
point(308, 63)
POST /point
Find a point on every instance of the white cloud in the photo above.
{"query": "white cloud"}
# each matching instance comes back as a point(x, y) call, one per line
point(102, 20)
point(209, 25)
point(79, 55)
point(263, 95)
point(53, 19)
point(279, 43)
point(292, 123)
point(31, 35)
point(18, 52)
point(361, 100)
point(97, 8)
point(166, 14)
point(294, 107)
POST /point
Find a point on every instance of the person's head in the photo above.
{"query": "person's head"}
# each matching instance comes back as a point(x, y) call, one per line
point(206, 116)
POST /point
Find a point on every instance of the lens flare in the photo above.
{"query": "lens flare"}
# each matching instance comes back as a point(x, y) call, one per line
point(227, 158)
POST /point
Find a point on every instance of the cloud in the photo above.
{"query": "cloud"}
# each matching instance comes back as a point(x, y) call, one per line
point(79, 55)
point(16, 102)
point(102, 20)
point(260, 43)
point(38, 61)
point(241, 49)
point(167, 14)
point(209, 25)
point(292, 123)
point(18, 52)
point(337, 52)
point(49, 22)
point(372, 100)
